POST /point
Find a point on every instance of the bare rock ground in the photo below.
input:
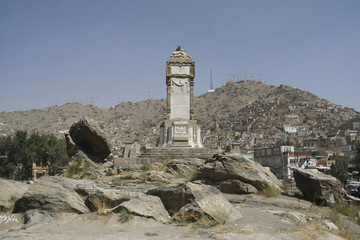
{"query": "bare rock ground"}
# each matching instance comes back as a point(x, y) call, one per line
point(281, 217)
point(264, 218)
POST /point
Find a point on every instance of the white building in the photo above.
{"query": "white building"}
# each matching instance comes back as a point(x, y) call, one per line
point(282, 160)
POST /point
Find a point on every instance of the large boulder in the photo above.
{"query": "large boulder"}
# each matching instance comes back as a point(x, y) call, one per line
point(146, 206)
point(319, 187)
point(221, 169)
point(54, 194)
point(10, 192)
point(86, 136)
point(192, 202)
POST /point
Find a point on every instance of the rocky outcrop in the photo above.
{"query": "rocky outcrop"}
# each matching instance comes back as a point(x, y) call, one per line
point(191, 202)
point(224, 170)
point(54, 194)
point(319, 187)
point(10, 191)
point(64, 195)
point(86, 136)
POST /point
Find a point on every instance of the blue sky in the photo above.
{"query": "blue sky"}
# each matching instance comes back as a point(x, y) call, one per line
point(106, 52)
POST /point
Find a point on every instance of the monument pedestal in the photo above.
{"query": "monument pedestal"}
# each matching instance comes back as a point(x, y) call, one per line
point(180, 133)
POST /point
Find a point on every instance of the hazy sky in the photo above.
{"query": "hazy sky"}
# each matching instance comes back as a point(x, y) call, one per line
point(106, 52)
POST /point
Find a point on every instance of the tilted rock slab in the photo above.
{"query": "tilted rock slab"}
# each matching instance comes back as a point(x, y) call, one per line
point(87, 136)
point(319, 187)
point(51, 194)
point(190, 201)
point(146, 206)
point(220, 169)
point(114, 199)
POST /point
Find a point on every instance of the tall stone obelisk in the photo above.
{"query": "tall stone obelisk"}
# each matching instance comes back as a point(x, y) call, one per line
point(180, 128)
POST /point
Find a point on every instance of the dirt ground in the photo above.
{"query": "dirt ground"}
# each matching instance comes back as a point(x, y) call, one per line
point(263, 218)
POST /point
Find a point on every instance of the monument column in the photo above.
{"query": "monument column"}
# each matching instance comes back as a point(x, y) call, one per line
point(191, 99)
point(180, 128)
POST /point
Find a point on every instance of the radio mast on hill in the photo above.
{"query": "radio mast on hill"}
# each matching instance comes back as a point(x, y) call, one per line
point(211, 83)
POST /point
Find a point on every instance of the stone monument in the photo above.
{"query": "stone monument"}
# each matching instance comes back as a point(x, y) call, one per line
point(180, 128)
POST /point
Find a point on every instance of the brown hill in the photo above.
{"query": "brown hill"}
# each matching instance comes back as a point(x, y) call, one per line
point(241, 110)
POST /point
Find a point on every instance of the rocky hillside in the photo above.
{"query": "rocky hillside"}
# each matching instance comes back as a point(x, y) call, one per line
point(242, 111)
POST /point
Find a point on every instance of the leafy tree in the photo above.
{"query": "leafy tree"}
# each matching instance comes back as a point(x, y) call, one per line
point(340, 169)
point(356, 160)
point(18, 153)
point(17, 156)
point(57, 155)
point(6, 166)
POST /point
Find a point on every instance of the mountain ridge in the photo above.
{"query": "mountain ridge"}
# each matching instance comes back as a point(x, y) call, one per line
point(231, 112)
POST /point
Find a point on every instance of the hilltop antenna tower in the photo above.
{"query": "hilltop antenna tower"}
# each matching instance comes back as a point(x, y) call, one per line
point(211, 83)
point(259, 74)
point(148, 94)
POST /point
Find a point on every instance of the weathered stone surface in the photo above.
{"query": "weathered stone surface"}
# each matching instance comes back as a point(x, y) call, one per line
point(236, 186)
point(70, 145)
point(319, 187)
point(146, 206)
point(296, 217)
point(35, 217)
point(182, 165)
point(89, 138)
point(101, 199)
point(53, 194)
point(156, 176)
point(10, 191)
point(222, 168)
point(192, 201)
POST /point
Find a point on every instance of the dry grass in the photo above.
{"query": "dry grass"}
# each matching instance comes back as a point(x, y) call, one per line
point(348, 210)
point(149, 234)
point(191, 174)
point(346, 235)
point(200, 220)
point(125, 216)
point(101, 207)
point(119, 182)
point(271, 191)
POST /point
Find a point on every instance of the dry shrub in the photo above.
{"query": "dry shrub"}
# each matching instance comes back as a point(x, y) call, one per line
point(190, 174)
point(270, 191)
point(125, 216)
point(202, 220)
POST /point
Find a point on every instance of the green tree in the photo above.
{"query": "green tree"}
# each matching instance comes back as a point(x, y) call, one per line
point(356, 160)
point(18, 153)
point(17, 156)
point(6, 166)
point(57, 155)
point(340, 169)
